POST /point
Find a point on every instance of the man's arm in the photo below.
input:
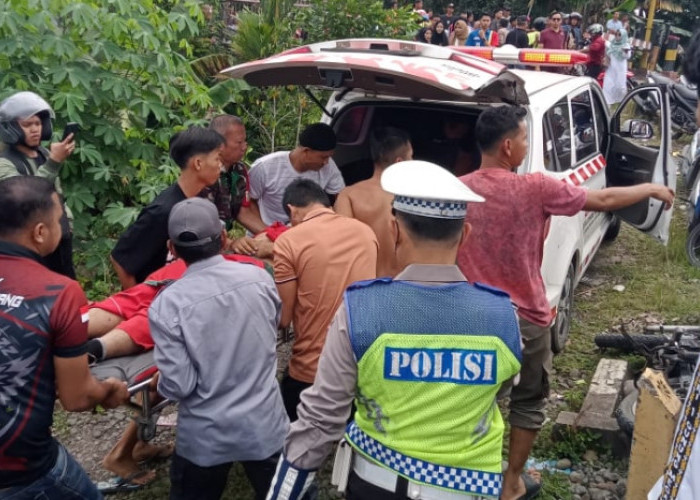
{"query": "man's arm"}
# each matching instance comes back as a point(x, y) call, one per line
point(615, 198)
point(288, 296)
point(250, 217)
point(285, 278)
point(7, 169)
point(125, 279)
point(78, 390)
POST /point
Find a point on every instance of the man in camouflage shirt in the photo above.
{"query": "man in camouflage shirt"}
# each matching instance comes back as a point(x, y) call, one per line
point(230, 193)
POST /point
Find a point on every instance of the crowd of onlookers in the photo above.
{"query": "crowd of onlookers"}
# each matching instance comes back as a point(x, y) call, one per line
point(501, 27)
point(607, 46)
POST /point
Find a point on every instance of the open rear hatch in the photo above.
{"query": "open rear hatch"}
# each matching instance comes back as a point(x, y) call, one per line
point(388, 67)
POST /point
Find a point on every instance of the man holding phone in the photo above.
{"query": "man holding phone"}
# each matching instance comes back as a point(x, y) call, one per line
point(25, 121)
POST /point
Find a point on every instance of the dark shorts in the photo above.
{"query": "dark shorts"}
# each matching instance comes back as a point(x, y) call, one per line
point(529, 396)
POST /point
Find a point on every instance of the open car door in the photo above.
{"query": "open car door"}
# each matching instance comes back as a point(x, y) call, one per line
point(387, 67)
point(640, 151)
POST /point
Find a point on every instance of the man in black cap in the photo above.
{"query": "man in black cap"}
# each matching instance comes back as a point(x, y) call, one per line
point(270, 175)
point(449, 17)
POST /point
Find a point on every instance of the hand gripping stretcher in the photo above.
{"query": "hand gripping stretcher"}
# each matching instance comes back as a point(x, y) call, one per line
point(138, 372)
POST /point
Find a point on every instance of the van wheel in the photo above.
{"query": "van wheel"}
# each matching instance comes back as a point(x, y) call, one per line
point(562, 323)
point(692, 246)
point(613, 229)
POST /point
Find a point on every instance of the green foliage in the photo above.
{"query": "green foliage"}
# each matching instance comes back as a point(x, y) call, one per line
point(119, 69)
point(275, 116)
point(568, 443)
point(335, 19)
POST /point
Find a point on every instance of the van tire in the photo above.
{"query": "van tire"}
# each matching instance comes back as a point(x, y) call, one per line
point(565, 308)
point(613, 229)
point(692, 246)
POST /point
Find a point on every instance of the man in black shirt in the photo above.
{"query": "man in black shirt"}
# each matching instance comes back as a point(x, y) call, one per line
point(449, 17)
point(518, 37)
point(142, 248)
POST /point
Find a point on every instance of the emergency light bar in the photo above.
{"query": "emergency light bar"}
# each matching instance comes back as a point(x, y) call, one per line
point(509, 54)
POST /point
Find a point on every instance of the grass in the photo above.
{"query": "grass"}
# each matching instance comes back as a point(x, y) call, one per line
point(660, 286)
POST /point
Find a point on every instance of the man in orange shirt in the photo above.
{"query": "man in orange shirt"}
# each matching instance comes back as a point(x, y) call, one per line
point(314, 263)
point(367, 202)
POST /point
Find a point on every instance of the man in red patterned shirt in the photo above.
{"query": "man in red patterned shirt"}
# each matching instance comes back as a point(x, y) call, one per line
point(505, 251)
point(42, 349)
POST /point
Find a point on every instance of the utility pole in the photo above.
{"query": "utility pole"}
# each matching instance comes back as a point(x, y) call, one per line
point(647, 35)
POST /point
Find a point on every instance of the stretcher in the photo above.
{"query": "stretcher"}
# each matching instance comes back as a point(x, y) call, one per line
point(138, 372)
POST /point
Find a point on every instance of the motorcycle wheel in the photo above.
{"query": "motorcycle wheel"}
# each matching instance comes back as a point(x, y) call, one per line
point(621, 342)
point(626, 412)
point(692, 246)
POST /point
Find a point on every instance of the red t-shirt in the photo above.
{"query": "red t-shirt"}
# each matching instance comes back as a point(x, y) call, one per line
point(39, 320)
point(505, 246)
point(596, 51)
point(551, 39)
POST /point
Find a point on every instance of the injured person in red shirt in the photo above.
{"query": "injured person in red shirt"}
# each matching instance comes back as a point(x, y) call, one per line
point(118, 325)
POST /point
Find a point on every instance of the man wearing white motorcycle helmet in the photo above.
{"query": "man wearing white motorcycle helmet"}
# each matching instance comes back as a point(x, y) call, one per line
point(596, 50)
point(25, 121)
point(681, 478)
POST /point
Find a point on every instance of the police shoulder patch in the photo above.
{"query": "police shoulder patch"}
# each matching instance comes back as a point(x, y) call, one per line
point(491, 289)
point(367, 283)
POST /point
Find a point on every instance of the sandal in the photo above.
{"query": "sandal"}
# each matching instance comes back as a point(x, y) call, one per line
point(120, 484)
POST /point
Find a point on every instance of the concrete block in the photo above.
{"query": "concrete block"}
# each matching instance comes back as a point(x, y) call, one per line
point(598, 408)
point(605, 389)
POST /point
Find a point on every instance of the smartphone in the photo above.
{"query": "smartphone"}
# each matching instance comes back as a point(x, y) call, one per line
point(71, 128)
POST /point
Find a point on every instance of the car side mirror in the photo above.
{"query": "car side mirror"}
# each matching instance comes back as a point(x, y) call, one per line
point(637, 129)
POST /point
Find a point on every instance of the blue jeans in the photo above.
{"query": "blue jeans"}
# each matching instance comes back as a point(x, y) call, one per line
point(65, 481)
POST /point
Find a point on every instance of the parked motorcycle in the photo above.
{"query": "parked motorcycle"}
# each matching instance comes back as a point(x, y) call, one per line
point(684, 102)
point(690, 170)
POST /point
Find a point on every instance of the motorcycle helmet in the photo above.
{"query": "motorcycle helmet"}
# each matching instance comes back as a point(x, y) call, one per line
point(21, 106)
point(539, 23)
point(595, 29)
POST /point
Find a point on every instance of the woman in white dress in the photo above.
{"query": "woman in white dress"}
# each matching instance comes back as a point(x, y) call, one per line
point(618, 52)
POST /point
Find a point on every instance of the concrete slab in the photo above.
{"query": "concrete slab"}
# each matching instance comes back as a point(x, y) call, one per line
point(598, 408)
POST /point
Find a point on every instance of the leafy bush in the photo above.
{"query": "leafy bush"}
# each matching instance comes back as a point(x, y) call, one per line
point(119, 69)
point(335, 19)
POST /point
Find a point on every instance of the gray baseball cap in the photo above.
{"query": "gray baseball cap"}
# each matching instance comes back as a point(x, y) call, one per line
point(193, 222)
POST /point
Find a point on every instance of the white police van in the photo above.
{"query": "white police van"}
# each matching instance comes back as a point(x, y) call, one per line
point(436, 94)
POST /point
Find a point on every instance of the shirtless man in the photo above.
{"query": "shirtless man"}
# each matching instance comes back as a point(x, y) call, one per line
point(367, 202)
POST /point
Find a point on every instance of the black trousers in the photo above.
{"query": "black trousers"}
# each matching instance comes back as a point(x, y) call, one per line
point(291, 391)
point(189, 481)
point(359, 489)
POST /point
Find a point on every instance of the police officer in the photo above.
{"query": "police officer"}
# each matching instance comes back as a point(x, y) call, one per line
point(422, 356)
point(25, 121)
